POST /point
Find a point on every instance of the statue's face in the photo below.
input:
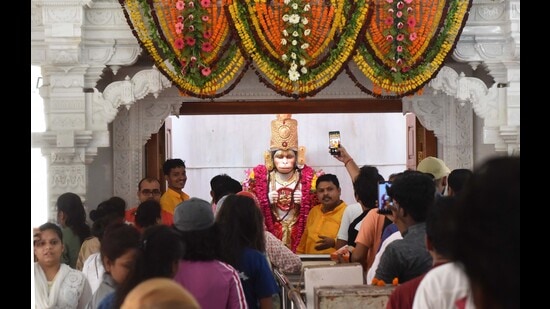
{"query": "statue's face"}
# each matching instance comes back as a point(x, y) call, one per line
point(285, 161)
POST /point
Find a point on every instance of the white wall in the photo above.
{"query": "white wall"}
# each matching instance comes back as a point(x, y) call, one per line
point(39, 198)
point(230, 144)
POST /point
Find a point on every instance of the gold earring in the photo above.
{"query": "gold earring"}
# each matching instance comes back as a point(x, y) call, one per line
point(301, 155)
point(268, 160)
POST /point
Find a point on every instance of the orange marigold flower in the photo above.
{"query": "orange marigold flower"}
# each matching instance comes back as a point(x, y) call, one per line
point(381, 283)
point(395, 281)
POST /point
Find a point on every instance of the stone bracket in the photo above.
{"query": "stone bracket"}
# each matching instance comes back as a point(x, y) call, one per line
point(488, 103)
point(105, 105)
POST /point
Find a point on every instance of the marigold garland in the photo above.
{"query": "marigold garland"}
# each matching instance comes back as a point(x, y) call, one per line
point(257, 182)
point(297, 47)
point(428, 31)
point(346, 28)
point(199, 56)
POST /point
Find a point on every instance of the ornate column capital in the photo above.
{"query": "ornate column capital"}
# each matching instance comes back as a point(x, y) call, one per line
point(67, 155)
point(90, 34)
point(494, 105)
point(131, 130)
point(491, 33)
point(451, 123)
point(105, 105)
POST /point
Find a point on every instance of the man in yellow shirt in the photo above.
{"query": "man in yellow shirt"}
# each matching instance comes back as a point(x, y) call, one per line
point(175, 175)
point(324, 219)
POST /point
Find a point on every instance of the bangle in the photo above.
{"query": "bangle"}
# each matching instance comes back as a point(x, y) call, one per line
point(348, 161)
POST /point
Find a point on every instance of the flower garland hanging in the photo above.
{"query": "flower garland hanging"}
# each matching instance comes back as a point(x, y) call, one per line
point(256, 181)
point(297, 47)
point(190, 42)
point(401, 33)
point(329, 47)
point(406, 44)
point(296, 20)
point(193, 31)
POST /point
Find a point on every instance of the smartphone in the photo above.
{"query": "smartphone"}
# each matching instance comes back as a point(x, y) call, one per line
point(334, 142)
point(383, 198)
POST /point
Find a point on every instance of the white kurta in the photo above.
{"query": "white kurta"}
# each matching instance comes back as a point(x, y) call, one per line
point(69, 289)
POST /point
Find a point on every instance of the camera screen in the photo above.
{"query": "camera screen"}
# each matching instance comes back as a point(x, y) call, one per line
point(383, 198)
point(334, 141)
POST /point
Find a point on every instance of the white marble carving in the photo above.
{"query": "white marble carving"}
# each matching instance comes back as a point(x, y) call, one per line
point(132, 129)
point(488, 103)
point(127, 92)
point(451, 123)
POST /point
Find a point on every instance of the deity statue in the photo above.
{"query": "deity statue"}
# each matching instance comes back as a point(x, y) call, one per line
point(285, 185)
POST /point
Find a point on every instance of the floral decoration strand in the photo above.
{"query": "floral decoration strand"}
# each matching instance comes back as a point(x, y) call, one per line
point(297, 47)
point(256, 181)
point(407, 43)
point(275, 73)
point(179, 36)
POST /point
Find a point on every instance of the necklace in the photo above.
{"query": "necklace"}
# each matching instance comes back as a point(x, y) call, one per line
point(292, 179)
point(284, 199)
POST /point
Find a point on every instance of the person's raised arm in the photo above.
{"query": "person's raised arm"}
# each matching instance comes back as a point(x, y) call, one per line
point(349, 163)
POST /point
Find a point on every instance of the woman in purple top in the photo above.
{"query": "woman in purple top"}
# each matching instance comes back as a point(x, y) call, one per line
point(213, 283)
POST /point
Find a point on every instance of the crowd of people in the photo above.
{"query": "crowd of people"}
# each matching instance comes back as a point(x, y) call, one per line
point(441, 239)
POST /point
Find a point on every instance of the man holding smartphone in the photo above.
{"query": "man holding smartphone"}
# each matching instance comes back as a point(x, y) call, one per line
point(412, 192)
point(368, 238)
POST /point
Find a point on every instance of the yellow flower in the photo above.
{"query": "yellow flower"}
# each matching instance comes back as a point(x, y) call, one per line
point(313, 183)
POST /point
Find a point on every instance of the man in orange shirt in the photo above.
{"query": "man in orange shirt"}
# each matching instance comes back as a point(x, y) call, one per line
point(323, 221)
point(148, 189)
point(175, 175)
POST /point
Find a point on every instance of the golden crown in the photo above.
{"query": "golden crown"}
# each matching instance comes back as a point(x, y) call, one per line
point(284, 133)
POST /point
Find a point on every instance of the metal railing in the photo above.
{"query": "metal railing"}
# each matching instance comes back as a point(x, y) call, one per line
point(291, 297)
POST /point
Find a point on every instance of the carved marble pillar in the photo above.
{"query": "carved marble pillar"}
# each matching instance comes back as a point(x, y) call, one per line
point(492, 38)
point(503, 129)
point(446, 107)
point(131, 130)
point(452, 123)
point(133, 125)
point(69, 42)
point(66, 140)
